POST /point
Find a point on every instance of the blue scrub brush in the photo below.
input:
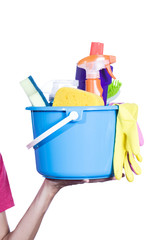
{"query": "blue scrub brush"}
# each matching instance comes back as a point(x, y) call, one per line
point(33, 92)
point(113, 90)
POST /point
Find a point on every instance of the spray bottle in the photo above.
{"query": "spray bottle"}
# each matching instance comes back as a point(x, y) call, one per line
point(96, 71)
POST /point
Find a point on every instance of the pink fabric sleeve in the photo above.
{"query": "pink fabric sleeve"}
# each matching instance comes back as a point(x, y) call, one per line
point(6, 199)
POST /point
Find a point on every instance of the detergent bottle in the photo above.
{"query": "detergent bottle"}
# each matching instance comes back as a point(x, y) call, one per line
point(94, 72)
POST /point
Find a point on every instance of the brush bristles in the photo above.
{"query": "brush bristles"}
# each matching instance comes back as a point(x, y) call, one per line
point(113, 88)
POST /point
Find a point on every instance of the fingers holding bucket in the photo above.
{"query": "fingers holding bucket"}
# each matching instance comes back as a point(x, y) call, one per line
point(100, 179)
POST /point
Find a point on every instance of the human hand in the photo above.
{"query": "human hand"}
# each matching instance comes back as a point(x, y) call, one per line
point(57, 184)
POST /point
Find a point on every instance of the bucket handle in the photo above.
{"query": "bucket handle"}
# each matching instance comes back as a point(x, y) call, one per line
point(72, 116)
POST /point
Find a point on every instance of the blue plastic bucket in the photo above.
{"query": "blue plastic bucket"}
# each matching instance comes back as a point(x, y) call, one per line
point(81, 149)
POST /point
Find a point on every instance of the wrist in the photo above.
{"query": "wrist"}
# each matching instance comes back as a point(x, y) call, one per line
point(44, 197)
point(50, 188)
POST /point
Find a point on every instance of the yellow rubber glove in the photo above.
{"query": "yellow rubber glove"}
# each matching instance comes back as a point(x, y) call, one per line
point(127, 142)
point(130, 165)
point(119, 150)
point(128, 114)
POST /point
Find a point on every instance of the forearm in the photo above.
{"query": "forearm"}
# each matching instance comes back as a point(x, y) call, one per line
point(29, 224)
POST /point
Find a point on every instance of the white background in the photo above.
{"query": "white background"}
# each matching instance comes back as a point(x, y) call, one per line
point(45, 39)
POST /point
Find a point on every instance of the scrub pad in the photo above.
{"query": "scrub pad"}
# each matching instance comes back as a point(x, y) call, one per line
point(75, 97)
point(33, 92)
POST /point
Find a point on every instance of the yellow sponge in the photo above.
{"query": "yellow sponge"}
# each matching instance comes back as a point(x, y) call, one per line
point(75, 97)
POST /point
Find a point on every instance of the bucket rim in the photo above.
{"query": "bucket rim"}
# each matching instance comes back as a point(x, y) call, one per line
point(84, 108)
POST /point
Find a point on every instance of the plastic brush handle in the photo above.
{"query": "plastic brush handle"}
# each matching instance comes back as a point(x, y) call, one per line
point(72, 116)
